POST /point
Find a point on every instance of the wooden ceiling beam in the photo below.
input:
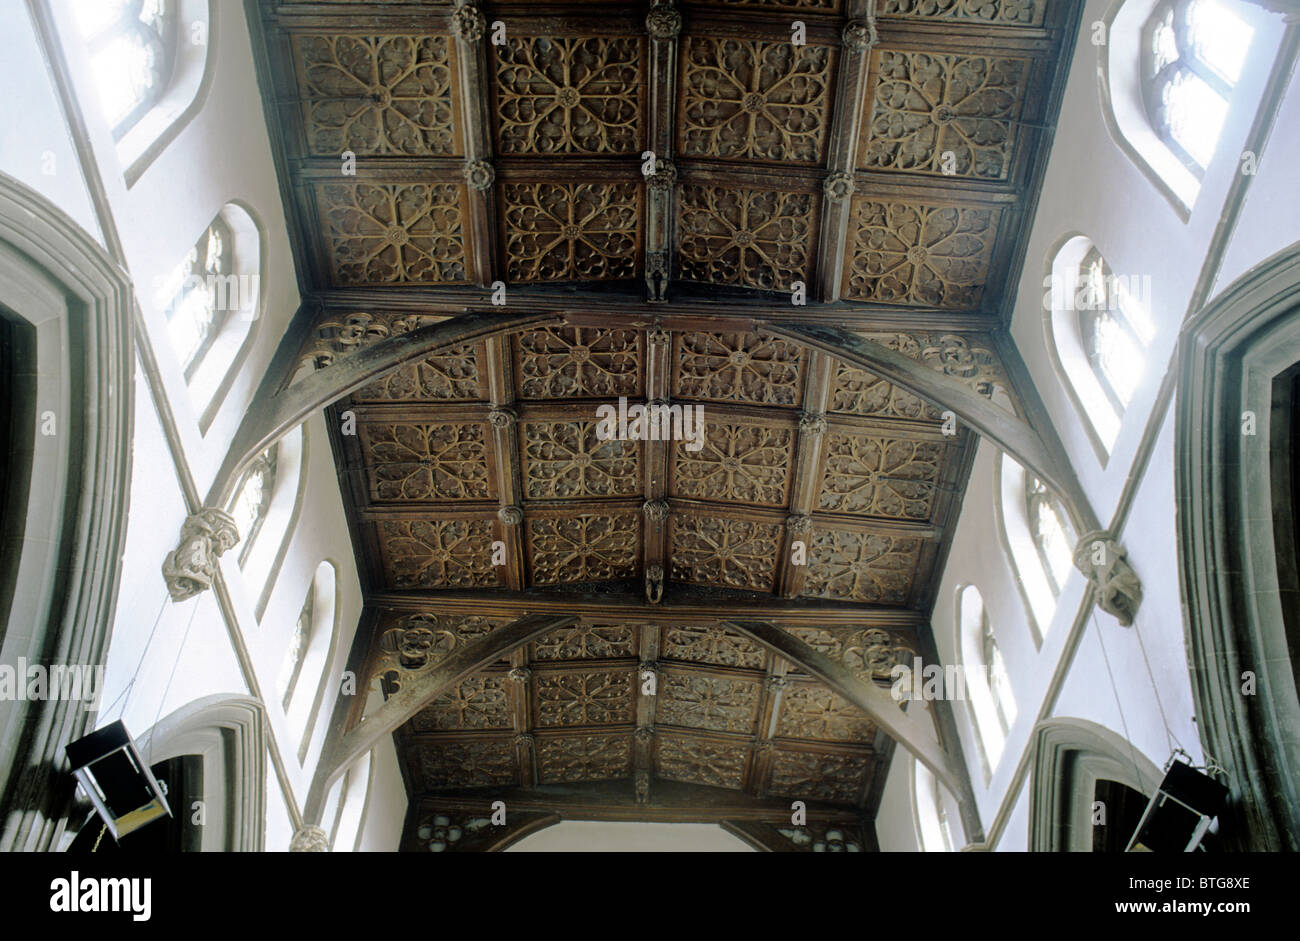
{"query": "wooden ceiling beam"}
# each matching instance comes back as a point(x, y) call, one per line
point(793, 564)
point(477, 170)
point(671, 802)
point(682, 604)
point(693, 307)
point(664, 27)
point(858, 39)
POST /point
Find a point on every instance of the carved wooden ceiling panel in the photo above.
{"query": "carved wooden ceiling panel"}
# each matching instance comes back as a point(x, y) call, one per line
point(881, 162)
point(686, 701)
point(670, 175)
point(795, 474)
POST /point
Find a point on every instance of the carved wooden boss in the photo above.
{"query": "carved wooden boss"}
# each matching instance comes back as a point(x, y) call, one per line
point(631, 194)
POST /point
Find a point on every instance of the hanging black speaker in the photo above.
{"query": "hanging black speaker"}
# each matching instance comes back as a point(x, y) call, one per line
point(116, 779)
point(1180, 811)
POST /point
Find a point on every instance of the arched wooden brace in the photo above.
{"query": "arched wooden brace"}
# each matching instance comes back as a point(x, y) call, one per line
point(1040, 453)
point(341, 752)
point(907, 730)
point(263, 425)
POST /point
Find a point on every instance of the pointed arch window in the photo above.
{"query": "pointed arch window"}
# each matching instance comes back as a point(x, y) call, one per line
point(132, 46)
point(1004, 703)
point(1099, 332)
point(198, 288)
point(1050, 529)
point(933, 829)
point(991, 702)
point(298, 642)
point(1114, 332)
point(1192, 56)
point(253, 499)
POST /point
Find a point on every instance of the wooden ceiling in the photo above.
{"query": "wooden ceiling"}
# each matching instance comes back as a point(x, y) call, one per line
point(883, 171)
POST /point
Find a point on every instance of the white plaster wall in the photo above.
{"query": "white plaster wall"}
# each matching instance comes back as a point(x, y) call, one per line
point(381, 831)
point(32, 126)
point(163, 655)
point(895, 821)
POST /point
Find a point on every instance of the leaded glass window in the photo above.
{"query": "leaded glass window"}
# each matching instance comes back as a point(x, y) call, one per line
point(132, 46)
point(1193, 53)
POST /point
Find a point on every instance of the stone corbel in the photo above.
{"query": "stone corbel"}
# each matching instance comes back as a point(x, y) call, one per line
point(309, 839)
point(1103, 561)
point(191, 566)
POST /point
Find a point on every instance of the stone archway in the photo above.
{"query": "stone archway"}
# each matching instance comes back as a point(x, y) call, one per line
point(75, 307)
point(1069, 757)
point(1236, 543)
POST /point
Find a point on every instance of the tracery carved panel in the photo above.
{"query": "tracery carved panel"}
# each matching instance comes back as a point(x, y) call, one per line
point(861, 566)
point(419, 641)
point(394, 233)
point(740, 462)
point(426, 461)
point(870, 653)
point(752, 100)
point(729, 553)
point(1005, 12)
point(704, 702)
point(588, 641)
point(749, 237)
point(464, 764)
point(378, 95)
point(876, 475)
point(598, 697)
point(712, 645)
point(928, 105)
point(568, 758)
point(569, 95)
point(565, 459)
point(816, 776)
point(479, 702)
point(448, 377)
point(699, 760)
point(571, 231)
point(338, 336)
point(438, 554)
point(973, 362)
point(909, 253)
point(739, 367)
point(588, 547)
point(578, 362)
point(814, 712)
point(858, 392)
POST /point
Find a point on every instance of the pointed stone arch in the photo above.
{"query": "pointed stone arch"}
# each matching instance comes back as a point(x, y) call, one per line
point(1068, 757)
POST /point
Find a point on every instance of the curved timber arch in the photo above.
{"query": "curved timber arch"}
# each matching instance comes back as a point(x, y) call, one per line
point(1236, 440)
point(1038, 450)
point(1041, 452)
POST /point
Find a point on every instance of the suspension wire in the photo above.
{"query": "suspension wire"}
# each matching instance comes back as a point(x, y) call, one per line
point(1169, 732)
point(1128, 739)
point(130, 686)
point(162, 701)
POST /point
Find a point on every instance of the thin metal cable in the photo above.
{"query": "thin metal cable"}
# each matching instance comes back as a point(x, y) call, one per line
point(166, 689)
point(1128, 739)
point(130, 686)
